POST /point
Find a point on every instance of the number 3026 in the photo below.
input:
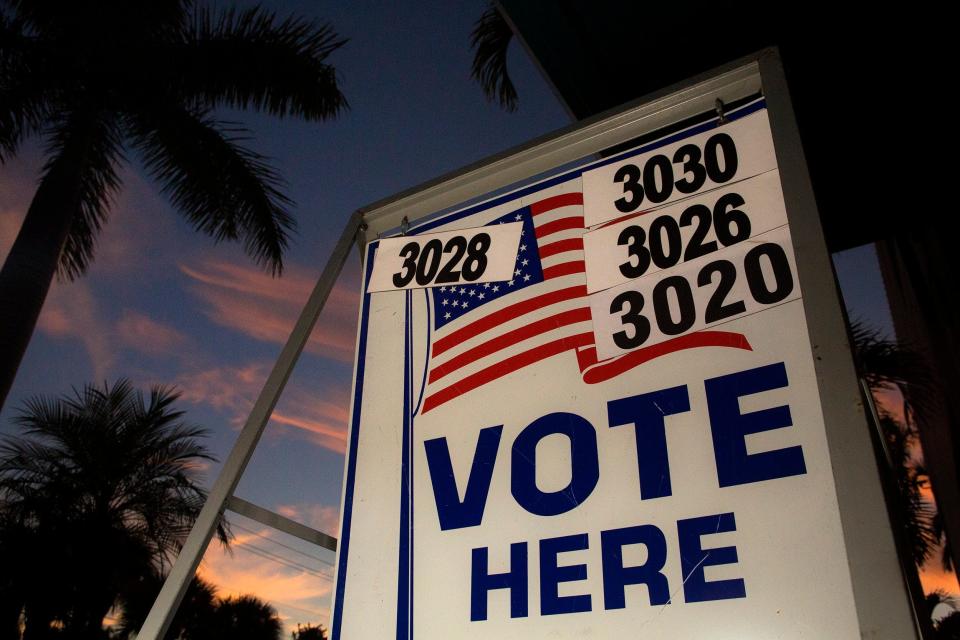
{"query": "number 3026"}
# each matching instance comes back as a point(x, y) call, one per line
point(440, 263)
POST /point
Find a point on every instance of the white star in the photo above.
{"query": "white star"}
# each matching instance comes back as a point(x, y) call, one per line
point(523, 247)
point(516, 272)
point(446, 316)
point(445, 302)
point(463, 304)
point(456, 304)
point(472, 293)
point(518, 217)
point(442, 289)
point(462, 290)
point(526, 278)
point(486, 285)
point(510, 283)
point(522, 231)
point(524, 262)
point(481, 296)
point(496, 288)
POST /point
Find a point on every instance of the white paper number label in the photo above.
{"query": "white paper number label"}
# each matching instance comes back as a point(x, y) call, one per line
point(482, 254)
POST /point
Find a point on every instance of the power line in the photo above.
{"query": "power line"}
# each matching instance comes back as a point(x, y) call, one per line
point(285, 546)
point(292, 564)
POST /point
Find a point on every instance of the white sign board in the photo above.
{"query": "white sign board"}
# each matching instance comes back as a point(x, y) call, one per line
point(584, 449)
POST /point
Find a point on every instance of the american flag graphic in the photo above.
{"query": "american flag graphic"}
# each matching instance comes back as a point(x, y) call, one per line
point(483, 332)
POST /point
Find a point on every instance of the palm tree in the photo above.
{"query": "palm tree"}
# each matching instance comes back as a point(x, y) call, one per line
point(490, 41)
point(245, 618)
point(310, 632)
point(885, 365)
point(96, 496)
point(98, 79)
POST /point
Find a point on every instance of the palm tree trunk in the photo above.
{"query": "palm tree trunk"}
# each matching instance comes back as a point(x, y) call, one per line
point(29, 268)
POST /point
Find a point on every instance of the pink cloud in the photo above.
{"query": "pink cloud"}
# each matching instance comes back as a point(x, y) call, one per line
point(319, 516)
point(10, 221)
point(71, 311)
point(146, 335)
point(322, 418)
point(230, 389)
point(250, 301)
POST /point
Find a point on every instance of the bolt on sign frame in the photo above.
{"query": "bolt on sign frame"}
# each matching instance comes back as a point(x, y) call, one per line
point(875, 587)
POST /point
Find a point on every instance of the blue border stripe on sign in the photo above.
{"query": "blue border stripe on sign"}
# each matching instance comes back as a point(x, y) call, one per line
point(343, 545)
point(404, 567)
point(746, 110)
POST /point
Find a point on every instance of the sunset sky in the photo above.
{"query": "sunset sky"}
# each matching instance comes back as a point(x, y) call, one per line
point(164, 305)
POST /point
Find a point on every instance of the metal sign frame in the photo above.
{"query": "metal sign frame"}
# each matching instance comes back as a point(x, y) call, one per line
point(882, 603)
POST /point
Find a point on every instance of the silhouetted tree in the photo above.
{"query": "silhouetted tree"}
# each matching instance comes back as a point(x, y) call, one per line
point(490, 41)
point(886, 365)
point(245, 618)
point(97, 79)
point(194, 617)
point(310, 632)
point(98, 493)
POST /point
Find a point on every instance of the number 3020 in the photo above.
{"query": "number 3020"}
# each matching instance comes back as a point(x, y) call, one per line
point(440, 263)
point(637, 327)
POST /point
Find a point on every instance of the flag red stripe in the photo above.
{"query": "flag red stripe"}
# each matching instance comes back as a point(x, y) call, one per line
point(525, 332)
point(629, 216)
point(507, 313)
point(594, 371)
point(561, 246)
point(506, 366)
point(564, 269)
point(554, 226)
point(555, 202)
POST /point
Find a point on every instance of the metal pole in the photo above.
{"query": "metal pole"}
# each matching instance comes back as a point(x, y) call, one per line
point(183, 570)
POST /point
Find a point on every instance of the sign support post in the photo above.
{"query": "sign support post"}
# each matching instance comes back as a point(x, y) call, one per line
point(183, 570)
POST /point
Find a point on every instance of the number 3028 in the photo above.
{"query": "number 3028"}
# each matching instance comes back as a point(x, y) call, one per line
point(440, 263)
point(637, 327)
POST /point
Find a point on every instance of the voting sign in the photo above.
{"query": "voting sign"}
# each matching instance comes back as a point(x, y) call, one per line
point(621, 437)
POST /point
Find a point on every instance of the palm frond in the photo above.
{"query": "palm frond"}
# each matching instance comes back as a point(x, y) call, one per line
point(120, 18)
point(105, 450)
point(83, 151)
point(490, 41)
point(23, 106)
point(252, 59)
point(224, 189)
point(887, 363)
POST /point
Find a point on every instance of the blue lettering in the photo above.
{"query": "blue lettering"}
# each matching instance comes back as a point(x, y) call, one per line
point(453, 513)
point(616, 576)
point(647, 412)
point(730, 427)
point(482, 582)
point(694, 559)
point(551, 575)
point(585, 467)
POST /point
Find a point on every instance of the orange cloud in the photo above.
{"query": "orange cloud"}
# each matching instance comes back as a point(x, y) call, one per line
point(146, 335)
point(297, 583)
point(933, 577)
point(248, 300)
